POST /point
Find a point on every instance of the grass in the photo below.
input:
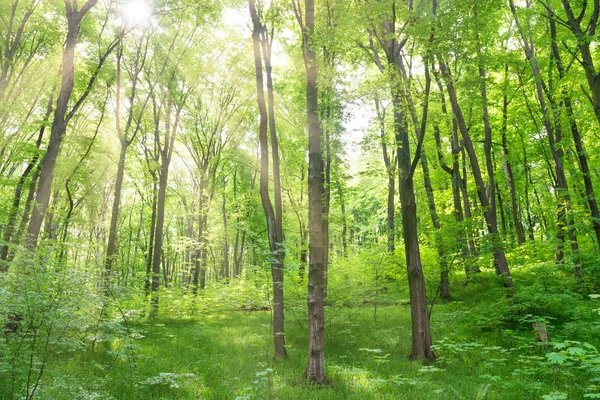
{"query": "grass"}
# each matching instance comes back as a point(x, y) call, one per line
point(224, 353)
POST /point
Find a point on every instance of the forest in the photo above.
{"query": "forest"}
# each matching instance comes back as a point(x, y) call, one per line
point(299, 199)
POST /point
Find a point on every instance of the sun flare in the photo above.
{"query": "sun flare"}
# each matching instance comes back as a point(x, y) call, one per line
point(136, 12)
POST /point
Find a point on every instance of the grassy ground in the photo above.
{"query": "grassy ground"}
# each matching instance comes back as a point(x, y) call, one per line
point(485, 352)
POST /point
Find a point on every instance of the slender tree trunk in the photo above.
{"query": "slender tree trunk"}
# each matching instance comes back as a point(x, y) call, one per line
point(59, 123)
point(315, 370)
point(273, 217)
point(31, 167)
point(421, 332)
point(530, 227)
point(390, 165)
point(581, 153)
point(165, 156)
point(151, 235)
point(111, 249)
point(125, 141)
point(435, 219)
point(508, 172)
point(158, 236)
point(344, 229)
point(236, 246)
point(585, 36)
point(464, 237)
point(490, 212)
point(225, 238)
point(554, 136)
point(279, 252)
point(199, 253)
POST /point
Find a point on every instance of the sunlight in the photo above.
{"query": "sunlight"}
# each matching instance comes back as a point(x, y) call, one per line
point(136, 12)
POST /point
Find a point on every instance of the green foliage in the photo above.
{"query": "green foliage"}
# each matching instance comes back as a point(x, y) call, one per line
point(209, 347)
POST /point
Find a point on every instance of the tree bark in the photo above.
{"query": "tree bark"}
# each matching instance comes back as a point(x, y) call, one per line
point(166, 151)
point(554, 136)
point(581, 153)
point(31, 167)
point(390, 166)
point(59, 123)
point(226, 275)
point(490, 210)
point(315, 370)
point(507, 165)
point(261, 38)
point(490, 217)
point(435, 219)
point(125, 140)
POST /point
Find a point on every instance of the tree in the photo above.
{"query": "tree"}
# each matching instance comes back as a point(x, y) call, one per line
point(262, 39)
point(124, 135)
point(554, 135)
point(392, 37)
point(315, 370)
point(62, 115)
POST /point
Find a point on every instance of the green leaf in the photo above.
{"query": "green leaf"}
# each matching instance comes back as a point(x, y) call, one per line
point(556, 358)
point(576, 351)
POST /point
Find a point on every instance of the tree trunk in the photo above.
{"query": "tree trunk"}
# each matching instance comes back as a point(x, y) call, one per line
point(225, 238)
point(125, 141)
point(464, 237)
point(508, 172)
point(59, 123)
point(585, 36)
point(151, 235)
point(421, 332)
point(315, 370)
point(158, 236)
point(435, 219)
point(554, 136)
point(273, 217)
point(390, 166)
point(166, 152)
point(490, 212)
point(581, 153)
point(32, 166)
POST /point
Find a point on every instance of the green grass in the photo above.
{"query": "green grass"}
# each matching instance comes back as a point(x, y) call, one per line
point(223, 353)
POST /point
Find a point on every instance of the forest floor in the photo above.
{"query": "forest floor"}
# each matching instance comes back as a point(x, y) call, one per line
point(485, 342)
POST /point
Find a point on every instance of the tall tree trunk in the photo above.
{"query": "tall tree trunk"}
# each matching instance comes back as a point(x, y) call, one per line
point(585, 36)
point(463, 239)
point(226, 275)
point(279, 252)
point(554, 136)
point(581, 153)
point(237, 254)
point(59, 123)
point(31, 167)
point(507, 165)
point(530, 228)
point(158, 237)
point(435, 219)
point(490, 212)
point(151, 234)
point(274, 219)
point(421, 332)
point(315, 370)
point(166, 152)
point(390, 166)
point(344, 228)
point(326, 197)
point(125, 141)
point(199, 253)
